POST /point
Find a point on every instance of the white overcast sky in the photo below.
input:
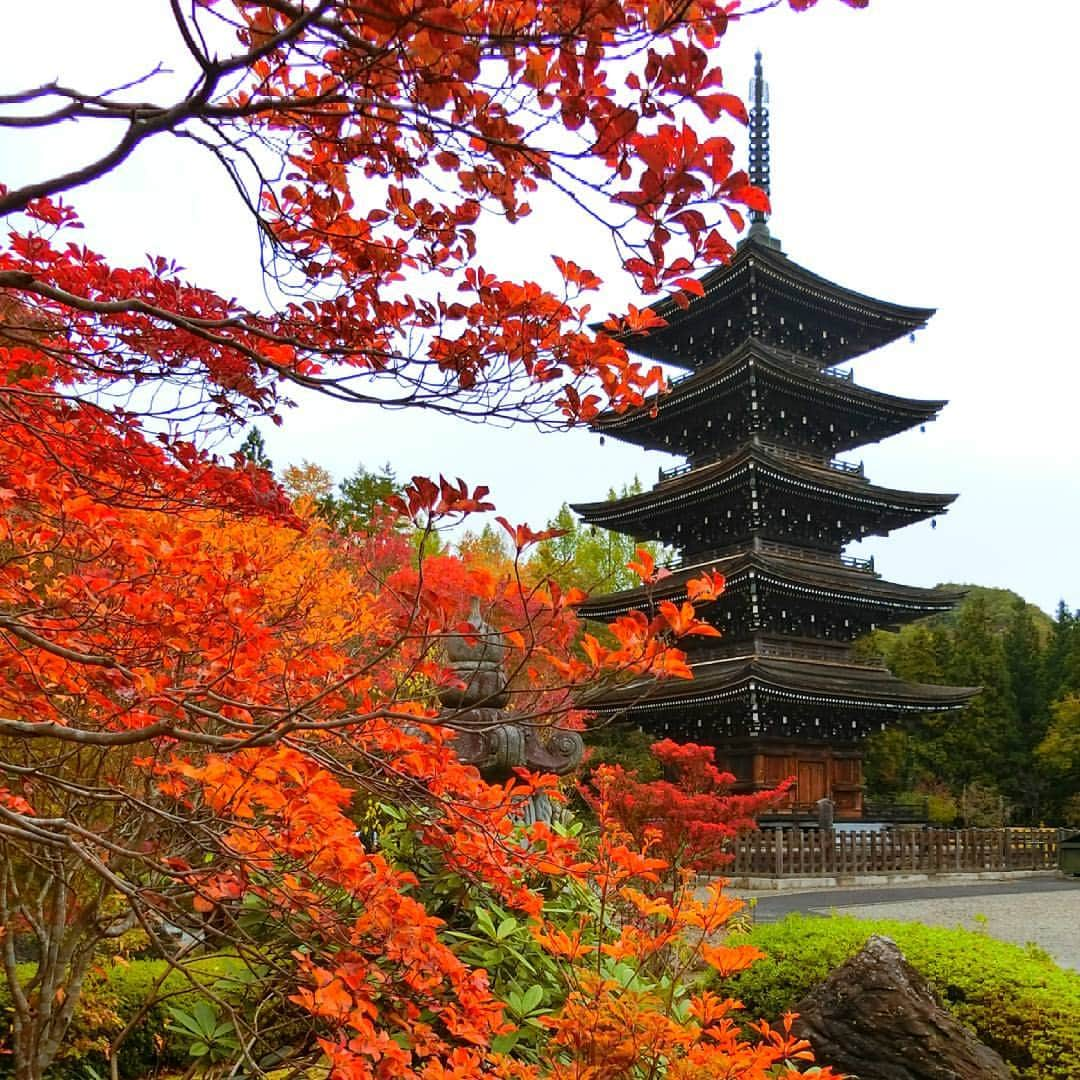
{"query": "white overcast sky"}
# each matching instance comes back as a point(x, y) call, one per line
point(924, 151)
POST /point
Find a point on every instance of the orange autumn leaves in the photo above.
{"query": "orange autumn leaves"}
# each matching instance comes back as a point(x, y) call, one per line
point(619, 1019)
point(270, 674)
point(647, 646)
point(375, 971)
point(246, 675)
point(624, 1016)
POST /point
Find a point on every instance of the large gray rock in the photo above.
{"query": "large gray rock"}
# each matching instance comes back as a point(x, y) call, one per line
point(875, 1018)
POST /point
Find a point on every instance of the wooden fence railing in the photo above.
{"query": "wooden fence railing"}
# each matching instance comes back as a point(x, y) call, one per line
point(803, 852)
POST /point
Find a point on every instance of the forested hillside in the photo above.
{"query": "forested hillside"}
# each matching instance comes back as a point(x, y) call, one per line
point(1015, 751)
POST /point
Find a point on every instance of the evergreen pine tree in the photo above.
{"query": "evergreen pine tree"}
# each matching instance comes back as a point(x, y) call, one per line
point(977, 744)
point(361, 495)
point(1057, 662)
point(254, 449)
point(1024, 657)
point(1025, 661)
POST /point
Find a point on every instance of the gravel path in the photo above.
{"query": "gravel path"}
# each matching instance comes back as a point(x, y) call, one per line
point(1046, 912)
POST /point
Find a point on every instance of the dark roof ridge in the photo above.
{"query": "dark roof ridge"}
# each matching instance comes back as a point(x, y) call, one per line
point(752, 253)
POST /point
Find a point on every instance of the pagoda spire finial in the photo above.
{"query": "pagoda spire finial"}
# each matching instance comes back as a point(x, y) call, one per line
point(759, 143)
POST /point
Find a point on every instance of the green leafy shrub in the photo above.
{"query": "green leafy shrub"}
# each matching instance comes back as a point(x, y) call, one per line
point(111, 998)
point(210, 1039)
point(1014, 998)
point(524, 975)
point(621, 744)
point(486, 934)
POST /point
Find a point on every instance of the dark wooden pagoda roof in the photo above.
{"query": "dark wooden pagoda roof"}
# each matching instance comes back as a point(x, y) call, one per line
point(697, 398)
point(845, 323)
point(706, 484)
point(807, 680)
point(829, 580)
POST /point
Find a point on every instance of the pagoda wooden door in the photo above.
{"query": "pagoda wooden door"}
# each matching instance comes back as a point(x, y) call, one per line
point(813, 782)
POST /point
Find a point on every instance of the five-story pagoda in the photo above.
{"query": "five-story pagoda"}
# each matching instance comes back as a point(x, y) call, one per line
point(761, 499)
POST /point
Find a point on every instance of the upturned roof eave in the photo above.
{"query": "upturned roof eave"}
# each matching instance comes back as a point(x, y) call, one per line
point(917, 409)
point(834, 581)
point(771, 256)
point(828, 481)
point(810, 679)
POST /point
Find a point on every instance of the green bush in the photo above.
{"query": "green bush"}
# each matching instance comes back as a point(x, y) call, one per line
point(1014, 998)
point(110, 999)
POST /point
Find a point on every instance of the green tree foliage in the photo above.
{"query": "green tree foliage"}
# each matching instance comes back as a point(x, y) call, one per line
point(1063, 654)
point(589, 558)
point(1059, 751)
point(1026, 665)
point(1025, 658)
point(254, 449)
point(354, 506)
point(890, 763)
point(361, 495)
point(1000, 605)
point(977, 744)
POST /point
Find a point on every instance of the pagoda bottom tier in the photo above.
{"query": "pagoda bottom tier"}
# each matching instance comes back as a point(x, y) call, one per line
point(772, 717)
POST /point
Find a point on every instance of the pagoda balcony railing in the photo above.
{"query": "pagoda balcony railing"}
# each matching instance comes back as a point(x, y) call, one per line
point(843, 374)
point(816, 652)
point(772, 547)
point(849, 468)
point(789, 551)
point(782, 651)
point(679, 470)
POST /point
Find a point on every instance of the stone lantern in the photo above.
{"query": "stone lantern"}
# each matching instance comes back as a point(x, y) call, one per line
point(486, 734)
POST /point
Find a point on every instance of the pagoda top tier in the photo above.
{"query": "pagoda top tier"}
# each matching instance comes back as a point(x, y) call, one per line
point(762, 294)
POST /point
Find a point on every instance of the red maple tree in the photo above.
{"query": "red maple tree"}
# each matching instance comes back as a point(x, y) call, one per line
point(689, 817)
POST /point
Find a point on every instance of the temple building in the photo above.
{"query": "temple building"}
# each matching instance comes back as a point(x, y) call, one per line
point(760, 416)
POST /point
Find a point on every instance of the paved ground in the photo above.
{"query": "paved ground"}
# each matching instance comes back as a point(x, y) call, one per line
point(1043, 910)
